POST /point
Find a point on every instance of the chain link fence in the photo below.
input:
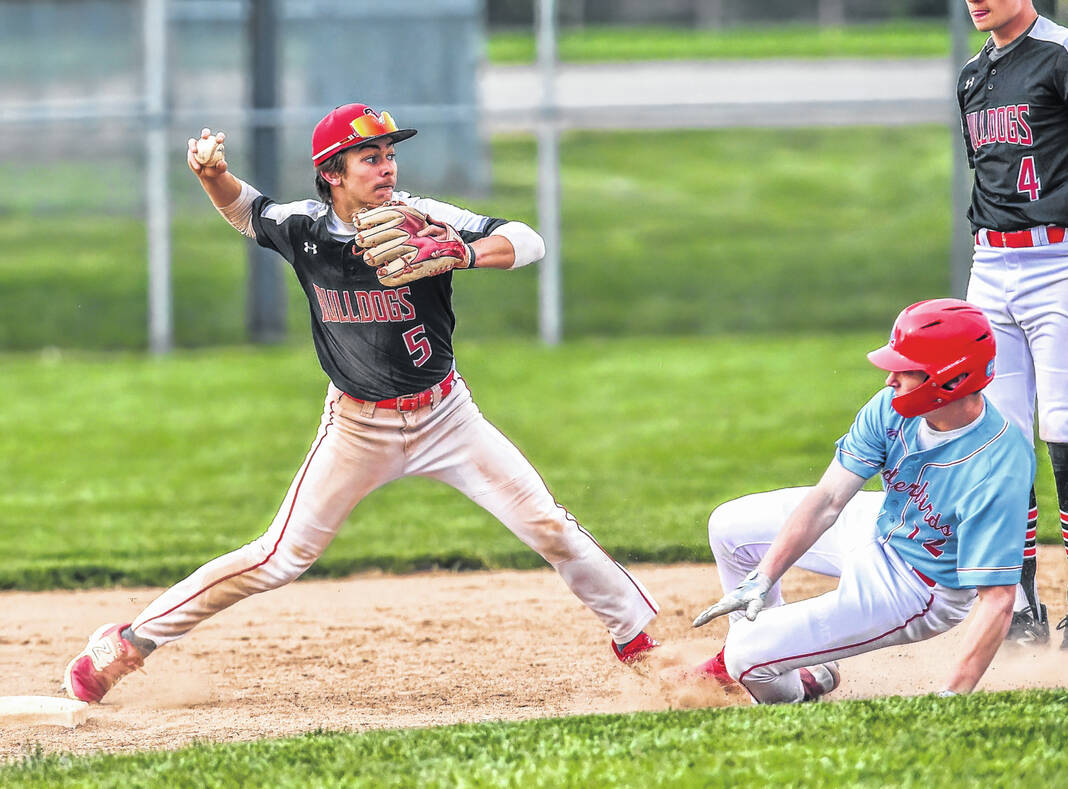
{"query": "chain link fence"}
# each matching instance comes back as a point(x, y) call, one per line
point(76, 112)
point(715, 13)
point(73, 205)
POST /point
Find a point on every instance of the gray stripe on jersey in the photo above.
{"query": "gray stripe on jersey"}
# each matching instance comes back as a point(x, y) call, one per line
point(1045, 30)
point(460, 218)
point(280, 212)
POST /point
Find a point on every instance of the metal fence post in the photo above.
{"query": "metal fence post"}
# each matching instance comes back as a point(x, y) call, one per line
point(157, 208)
point(960, 256)
point(831, 13)
point(550, 300)
point(709, 14)
point(266, 283)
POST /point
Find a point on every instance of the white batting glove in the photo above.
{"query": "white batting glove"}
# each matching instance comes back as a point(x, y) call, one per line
point(750, 594)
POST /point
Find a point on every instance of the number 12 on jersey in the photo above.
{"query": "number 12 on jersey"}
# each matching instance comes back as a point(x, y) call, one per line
point(1028, 183)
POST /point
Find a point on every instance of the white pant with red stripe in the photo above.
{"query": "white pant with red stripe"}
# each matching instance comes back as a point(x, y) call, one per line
point(880, 601)
point(1024, 294)
point(360, 448)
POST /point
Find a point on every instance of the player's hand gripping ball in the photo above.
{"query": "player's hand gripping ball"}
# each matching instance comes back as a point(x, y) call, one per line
point(405, 244)
point(209, 150)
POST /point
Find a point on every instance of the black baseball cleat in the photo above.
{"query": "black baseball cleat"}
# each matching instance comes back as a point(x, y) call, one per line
point(1026, 631)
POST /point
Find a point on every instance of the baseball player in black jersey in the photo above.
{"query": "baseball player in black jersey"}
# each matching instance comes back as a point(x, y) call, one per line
point(1013, 99)
point(395, 404)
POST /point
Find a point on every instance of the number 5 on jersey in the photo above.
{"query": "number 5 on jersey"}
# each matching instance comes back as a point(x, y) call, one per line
point(1028, 183)
point(418, 345)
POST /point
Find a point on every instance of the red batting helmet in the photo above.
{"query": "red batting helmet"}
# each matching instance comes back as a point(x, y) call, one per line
point(353, 124)
point(945, 338)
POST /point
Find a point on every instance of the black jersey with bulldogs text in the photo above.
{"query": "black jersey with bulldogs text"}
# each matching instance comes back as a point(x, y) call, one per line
point(1014, 115)
point(374, 342)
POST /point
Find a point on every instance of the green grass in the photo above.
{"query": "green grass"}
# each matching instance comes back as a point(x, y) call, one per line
point(698, 232)
point(898, 39)
point(983, 740)
point(122, 469)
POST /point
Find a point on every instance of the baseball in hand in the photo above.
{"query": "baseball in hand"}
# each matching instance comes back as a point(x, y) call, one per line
point(210, 151)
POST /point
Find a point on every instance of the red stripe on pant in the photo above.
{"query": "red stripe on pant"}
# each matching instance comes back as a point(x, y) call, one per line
point(281, 535)
point(570, 517)
point(637, 586)
point(930, 602)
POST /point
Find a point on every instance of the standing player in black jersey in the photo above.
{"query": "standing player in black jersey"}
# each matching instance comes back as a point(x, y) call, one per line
point(395, 405)
point(1013, 99)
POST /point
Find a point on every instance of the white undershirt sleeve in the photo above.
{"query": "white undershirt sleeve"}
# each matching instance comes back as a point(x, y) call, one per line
point(239, 212)
point(526, 242)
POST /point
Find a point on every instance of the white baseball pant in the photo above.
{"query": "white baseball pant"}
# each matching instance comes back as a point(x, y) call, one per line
point(1024, 294)
point(880, 601)
point(359, 448)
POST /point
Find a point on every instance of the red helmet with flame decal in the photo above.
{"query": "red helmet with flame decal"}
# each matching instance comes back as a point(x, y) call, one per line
point(353, 124)
point(948, 339)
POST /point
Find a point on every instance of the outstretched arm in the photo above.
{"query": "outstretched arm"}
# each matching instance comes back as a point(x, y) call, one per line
point(509, 244)
point(217, 181)
point(816, 513)
point(231, 196)
point(493, 252)
point(512, 245)
point(990, 623)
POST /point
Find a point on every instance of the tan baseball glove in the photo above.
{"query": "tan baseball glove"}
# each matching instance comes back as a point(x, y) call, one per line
point(405, 244)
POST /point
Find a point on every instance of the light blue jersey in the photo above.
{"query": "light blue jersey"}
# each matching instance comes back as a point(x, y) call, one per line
point(955, 512)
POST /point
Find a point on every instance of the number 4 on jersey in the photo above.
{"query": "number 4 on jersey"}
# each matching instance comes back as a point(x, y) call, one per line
point(1028, 183)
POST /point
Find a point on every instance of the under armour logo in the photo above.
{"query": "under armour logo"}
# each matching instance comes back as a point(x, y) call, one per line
point(968, 84)
point(310, 248)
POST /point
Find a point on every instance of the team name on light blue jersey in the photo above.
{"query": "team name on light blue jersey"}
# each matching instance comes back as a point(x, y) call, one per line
point(955, 512)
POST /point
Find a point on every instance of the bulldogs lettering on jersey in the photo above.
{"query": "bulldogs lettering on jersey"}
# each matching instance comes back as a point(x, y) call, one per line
point(365, 306)
point(999, 124)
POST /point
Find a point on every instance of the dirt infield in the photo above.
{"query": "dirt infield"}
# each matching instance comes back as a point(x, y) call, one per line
point(379, 651)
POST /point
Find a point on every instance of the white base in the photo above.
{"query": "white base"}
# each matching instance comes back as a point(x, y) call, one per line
point(42, 710)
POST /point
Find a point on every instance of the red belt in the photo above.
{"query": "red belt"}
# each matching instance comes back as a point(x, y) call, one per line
point(413, 401)
point(1018, 238)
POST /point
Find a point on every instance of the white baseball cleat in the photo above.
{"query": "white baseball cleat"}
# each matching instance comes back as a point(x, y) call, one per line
point(819, 680)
